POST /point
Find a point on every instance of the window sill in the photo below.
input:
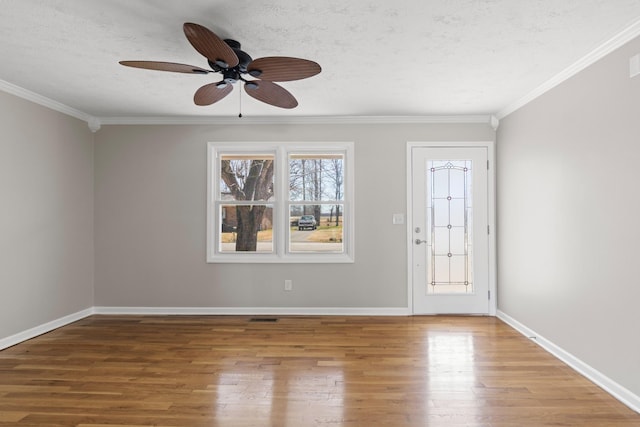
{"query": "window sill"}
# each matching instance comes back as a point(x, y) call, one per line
point(236, 258)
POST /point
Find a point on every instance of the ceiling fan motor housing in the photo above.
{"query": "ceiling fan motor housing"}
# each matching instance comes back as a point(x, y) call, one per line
point(232, 75)
point(244, 59)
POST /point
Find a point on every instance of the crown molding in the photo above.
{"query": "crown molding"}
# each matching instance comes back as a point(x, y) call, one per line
point(95, 123)
point(617, 41)
point(494, 122)
point(307, 120)
point(20, 92)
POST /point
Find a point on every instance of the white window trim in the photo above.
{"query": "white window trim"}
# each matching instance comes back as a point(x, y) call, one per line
point(281, 151)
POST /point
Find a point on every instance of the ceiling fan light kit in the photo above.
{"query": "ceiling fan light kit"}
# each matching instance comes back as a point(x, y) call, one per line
point(228, 59)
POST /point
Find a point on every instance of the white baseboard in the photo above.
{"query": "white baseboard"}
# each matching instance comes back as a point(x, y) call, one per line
point(253, 311)
point(183, 311)
point(613, 388)
point(44, 328)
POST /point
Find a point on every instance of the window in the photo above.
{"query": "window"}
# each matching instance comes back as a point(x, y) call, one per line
point(282, 202)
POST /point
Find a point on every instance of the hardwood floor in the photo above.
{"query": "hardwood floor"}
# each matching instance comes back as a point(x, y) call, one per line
point(299, 371)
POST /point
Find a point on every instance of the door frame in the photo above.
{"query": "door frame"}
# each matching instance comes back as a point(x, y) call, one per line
point(491, 214)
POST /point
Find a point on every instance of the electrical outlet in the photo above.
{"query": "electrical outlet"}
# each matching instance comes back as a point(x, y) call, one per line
point(288, 285)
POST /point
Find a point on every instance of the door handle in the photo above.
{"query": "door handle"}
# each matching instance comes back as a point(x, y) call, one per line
point(418, 241)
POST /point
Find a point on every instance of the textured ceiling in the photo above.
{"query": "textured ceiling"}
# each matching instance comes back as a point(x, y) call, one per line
point(378, 58)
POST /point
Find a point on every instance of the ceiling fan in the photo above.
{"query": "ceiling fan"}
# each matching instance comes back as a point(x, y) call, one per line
point(226, 57)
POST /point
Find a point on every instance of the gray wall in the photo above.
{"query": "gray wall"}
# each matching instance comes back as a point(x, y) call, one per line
point(568, 208)
point(46, 219)
point(150, 217)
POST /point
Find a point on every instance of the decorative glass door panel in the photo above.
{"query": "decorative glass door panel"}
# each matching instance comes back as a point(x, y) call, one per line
point(449, 216)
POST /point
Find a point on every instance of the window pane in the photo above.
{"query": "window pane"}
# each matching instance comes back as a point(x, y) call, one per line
point(316, 177)
point(246, 177)
point(246, 228)
point(316, 228)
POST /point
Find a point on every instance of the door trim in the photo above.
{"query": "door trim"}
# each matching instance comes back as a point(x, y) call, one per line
point(491, 214)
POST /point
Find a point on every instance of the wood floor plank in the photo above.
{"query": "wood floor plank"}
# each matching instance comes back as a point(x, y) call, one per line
point(179, 371)
point(11, 416)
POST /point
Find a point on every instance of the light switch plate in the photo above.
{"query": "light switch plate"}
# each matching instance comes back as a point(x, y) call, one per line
point(398, 219)
point(634, 65)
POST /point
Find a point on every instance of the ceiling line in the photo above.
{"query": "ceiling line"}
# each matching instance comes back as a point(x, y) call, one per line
point(234, 120)
point(44, 101)
point(629, 33)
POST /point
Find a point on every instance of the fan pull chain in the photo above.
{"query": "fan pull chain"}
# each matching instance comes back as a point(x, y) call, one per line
point(240, 101)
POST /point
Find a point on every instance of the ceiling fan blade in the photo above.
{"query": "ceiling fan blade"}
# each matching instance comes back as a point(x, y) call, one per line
point(210, 45)
point(166, 66)
point(282, 68)
point(212, 93)
point(270, 93)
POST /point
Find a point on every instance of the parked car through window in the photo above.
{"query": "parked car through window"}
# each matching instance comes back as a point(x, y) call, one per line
point(306, 222)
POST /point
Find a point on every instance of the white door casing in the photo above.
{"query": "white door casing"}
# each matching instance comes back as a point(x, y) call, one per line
point(450, 245)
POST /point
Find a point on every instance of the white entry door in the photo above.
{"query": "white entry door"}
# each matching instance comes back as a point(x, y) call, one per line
point(449, 230)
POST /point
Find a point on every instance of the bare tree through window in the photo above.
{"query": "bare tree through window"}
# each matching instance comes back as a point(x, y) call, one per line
point(248, 180)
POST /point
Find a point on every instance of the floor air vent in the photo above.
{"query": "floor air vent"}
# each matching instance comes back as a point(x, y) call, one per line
point(263, 319)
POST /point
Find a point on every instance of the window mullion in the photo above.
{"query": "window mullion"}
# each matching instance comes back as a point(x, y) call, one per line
point(281, 195)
